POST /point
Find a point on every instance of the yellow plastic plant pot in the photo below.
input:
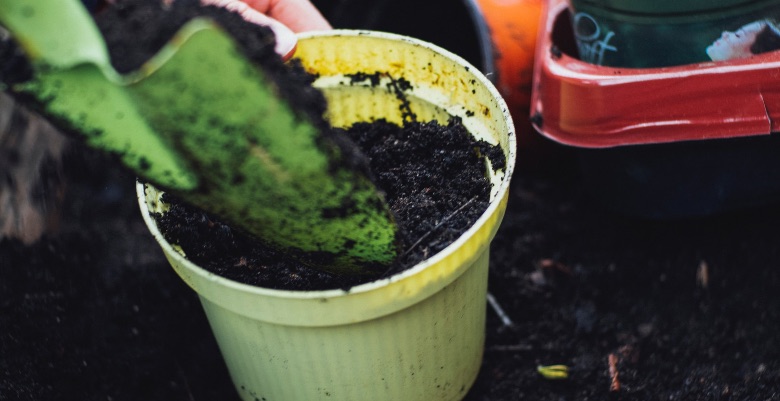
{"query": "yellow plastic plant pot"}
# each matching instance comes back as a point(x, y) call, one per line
point(417, 335)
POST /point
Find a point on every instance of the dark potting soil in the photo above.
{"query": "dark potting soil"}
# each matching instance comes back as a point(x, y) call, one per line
point(434, 181)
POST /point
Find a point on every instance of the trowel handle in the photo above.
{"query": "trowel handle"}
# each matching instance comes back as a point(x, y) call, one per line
point(56, 33)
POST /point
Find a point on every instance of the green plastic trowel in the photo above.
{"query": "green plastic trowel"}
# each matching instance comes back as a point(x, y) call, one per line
point(200, 121)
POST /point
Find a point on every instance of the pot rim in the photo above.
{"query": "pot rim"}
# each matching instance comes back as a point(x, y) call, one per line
point(500, 195)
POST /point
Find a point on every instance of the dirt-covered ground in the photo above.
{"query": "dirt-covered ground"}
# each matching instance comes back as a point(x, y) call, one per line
point(685, 310)
point(688, 309)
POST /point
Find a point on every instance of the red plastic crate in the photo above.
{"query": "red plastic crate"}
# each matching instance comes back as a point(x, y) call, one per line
point(590, 106)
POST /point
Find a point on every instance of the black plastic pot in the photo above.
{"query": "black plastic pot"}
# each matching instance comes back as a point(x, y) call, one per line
point(684, 179)
point(454, 25)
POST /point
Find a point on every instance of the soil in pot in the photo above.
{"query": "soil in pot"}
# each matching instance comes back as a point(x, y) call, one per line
point(433, 175)
point(434, 179)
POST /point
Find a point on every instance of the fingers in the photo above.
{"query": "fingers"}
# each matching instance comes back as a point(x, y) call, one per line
point(286, 40)
point(298, 15)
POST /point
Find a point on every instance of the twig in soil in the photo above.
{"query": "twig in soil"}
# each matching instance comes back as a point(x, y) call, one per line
point(612, 360)
point(555, 265)
point(554, 372)
point(703, 275)
point(186, 382)
point(499, 311)
point(441, 223)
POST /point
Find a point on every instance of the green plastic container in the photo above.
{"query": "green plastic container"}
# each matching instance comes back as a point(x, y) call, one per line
point(418, 335)
point(647, 33)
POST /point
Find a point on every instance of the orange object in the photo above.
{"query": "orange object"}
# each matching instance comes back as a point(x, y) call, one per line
point(513, 26)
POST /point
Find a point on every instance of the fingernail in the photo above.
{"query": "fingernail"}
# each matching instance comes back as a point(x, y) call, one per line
point(286, 41)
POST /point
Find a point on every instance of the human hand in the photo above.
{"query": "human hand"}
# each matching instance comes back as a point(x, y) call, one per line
point(284, 17)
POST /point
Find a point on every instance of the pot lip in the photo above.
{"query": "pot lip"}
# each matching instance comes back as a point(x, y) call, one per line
point(502, 192)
